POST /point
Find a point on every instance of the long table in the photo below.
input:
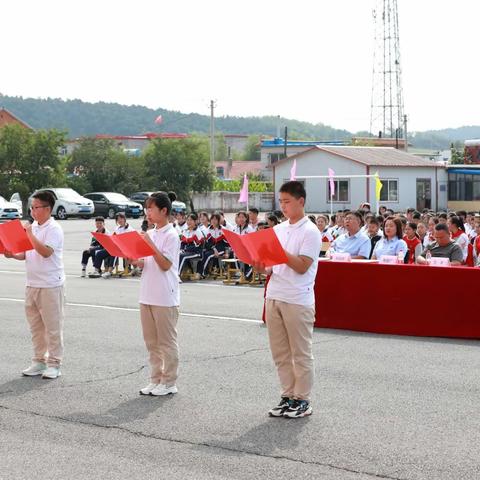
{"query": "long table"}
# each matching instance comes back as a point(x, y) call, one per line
point(398, 299)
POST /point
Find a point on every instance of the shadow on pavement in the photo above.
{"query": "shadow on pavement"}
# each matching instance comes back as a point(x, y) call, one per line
point(23, 385)
point(271, 437)
point(126, 412)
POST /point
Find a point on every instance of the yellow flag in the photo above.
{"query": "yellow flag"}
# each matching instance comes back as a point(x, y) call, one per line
point(378, 186)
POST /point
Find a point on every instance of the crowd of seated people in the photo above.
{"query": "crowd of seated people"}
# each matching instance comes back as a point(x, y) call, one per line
point(410, 236)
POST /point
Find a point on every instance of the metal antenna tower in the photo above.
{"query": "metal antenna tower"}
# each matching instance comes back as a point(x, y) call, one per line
point(386, 113)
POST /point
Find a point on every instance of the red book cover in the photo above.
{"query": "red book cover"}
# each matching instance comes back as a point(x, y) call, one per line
point(14, 238)
point(126, 245)
point(262, 246)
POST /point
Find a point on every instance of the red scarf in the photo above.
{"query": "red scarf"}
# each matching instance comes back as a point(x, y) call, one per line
point(411, 244)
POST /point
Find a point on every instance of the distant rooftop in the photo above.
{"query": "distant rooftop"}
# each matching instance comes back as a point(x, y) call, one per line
point(280, 142)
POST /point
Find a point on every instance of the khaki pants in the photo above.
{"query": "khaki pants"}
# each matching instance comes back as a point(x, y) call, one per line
point(159, 326)
point(290, 331)
point(45, 311)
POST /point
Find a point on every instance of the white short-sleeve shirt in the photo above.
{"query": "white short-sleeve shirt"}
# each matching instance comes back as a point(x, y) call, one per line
point(159, 287)
point(46, 272)
point(301, 238)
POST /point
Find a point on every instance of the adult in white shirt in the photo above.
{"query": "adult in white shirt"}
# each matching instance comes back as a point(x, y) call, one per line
point(354, 242)
point(391, 243)
point(44, 295)
point(160, 297)
point(290, 303)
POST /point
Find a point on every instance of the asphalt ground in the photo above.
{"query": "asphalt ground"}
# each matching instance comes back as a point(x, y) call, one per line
point(384, 406)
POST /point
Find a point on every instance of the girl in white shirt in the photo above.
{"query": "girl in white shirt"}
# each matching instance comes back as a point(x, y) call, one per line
point(457, 232)
point(160, 297)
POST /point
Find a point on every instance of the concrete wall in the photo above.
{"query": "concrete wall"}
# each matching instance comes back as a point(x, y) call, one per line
point(228, 201)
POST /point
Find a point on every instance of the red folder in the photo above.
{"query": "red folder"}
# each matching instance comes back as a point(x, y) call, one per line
point(13, 237)
point(126, 245)
point(262, 246)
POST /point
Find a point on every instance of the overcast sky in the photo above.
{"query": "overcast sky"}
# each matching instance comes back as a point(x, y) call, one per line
point(304, 59)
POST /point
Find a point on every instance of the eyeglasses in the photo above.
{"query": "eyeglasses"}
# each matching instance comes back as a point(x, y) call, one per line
point(41, 206)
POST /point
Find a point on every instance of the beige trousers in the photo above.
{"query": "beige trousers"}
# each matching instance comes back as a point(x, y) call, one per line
point(159, 326)
point(290, 331)
point(45, 311)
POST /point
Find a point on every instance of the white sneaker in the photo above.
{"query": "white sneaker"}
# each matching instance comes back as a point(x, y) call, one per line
point(147, 390)
point(84, 273)
point(52, 372)
point(161, 390)
point(106, 274)
point(34, 369)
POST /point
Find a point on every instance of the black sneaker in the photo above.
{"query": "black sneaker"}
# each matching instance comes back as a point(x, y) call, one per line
point(298, 409)
point(281, 408)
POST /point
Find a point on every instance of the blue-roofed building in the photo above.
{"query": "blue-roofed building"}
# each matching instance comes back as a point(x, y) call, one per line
point(464, 187)
point(274, 149)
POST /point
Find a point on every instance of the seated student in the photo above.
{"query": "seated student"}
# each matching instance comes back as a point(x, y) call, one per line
point(327, 239)
point(382, 210)
point(253, 218)
point(354, 242)
point(215, 246)
point(224, 222)
point(442, 217)
point(414, 244)
point(242, 226)
point(203, 223)
point(374, 233)
point(272, 220)
point(191, 242)
point(443, 247)
point(458, 235)
point(476, 243)
point(391, 243)
point(429, 237)
point(421, 231)
point(339, 227)
point(103, 256)
point(262, 225)
point(181, 223)
point(94, 245)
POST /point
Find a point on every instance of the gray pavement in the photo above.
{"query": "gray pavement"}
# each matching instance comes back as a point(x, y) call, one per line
point(384, 406)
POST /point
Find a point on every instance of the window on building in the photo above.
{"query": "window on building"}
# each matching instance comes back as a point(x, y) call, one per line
point(389, 192)
point(342, 191)
point(220, 172)
point(275, 157)
point(463, 187)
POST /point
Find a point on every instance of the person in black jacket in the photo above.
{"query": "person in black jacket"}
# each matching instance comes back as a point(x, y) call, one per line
point(94, 245)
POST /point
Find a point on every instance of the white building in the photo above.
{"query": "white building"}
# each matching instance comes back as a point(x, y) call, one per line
point(408, 181)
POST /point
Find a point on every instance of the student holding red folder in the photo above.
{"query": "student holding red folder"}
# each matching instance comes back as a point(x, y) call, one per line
point(160, 297)
point(290, 303)
point(44, 297)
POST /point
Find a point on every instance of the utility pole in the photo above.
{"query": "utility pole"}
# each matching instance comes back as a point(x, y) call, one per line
point(405, 132)
point(212, 133)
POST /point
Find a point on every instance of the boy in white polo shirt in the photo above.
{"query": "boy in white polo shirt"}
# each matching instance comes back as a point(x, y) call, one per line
point(45, 296)
point(290, 303)
point(160, 297)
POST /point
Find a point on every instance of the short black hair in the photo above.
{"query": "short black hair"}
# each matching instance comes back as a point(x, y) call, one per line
point(253, 210)
point(120, 215)
point(417, 215)
point(160, 200)
point(442, 226)
point(294, 188)
point(46, 197)
point(99, 219)
point(356, 213)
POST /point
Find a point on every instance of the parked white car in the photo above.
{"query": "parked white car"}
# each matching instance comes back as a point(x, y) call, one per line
point(8, 210)
point(17, 200)
point(68, 203)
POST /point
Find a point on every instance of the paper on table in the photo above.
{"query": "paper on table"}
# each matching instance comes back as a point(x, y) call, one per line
point(126, 245)
point(14, 238)
point(262, 246)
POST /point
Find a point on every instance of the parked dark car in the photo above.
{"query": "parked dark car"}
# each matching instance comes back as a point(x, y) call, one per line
point(140, 197)
point(108, 204)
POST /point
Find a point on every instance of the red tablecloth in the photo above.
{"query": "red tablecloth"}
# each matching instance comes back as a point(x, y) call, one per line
point(398, 299)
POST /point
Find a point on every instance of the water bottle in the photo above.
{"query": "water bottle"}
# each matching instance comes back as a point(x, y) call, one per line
point(401, 256)
point(428, 256)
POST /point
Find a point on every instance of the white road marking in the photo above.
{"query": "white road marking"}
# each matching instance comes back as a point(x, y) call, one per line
point(130, 309)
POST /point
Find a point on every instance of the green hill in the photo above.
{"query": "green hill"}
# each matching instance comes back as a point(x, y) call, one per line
point(80, 118)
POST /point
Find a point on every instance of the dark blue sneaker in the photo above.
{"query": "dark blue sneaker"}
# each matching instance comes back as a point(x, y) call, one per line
point(281, 408)
point(298, 409)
